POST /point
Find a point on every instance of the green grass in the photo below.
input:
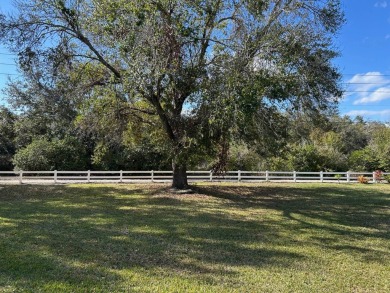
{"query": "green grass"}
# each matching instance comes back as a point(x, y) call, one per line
point(223, 238)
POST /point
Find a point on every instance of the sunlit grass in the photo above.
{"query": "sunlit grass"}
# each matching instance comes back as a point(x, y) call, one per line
point(222, 238)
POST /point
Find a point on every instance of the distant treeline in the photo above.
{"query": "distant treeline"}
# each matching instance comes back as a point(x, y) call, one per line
point(59, 137)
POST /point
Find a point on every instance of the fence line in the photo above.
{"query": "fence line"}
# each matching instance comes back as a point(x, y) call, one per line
point(193, 176)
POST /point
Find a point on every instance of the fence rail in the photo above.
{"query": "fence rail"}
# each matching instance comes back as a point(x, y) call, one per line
point(193, 176)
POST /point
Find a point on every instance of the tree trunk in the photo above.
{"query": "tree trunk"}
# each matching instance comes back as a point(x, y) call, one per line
point(179, 180)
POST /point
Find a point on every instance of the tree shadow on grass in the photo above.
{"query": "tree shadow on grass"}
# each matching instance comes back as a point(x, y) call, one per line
point(342, 205)
point(79, 236)
point(347, 213)
point(74, 236)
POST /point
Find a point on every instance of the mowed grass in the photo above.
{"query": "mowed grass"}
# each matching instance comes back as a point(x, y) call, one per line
point(223, 238)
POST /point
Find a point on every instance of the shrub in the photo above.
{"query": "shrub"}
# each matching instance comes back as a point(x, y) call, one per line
point(45, 155)
point(363, 160)
point(362, 179)
point(378, 176)
point(141, 157)
point(243, 158)
point(306, 158)
point(338, 177)
point(387, 178)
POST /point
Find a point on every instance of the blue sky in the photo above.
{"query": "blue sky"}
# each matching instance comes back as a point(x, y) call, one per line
point(364, 44)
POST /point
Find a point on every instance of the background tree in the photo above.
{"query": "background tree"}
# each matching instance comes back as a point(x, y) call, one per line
point(354, 134)
point(7, 136)
point(202, 67)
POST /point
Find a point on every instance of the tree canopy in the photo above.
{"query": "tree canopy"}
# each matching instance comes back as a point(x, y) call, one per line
point(204, 72)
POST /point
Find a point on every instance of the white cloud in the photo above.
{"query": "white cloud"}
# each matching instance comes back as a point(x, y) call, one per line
point(378, 95)
point(368, 113)
point(367, 80)
point(381, 4)
point(370, 87)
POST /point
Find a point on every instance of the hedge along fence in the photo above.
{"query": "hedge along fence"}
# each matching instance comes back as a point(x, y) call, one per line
point(193, 176)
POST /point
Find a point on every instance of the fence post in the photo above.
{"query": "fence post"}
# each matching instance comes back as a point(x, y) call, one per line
point(121, 176)
point(55, 176)
point(20, 177)
point(211, 175)
point(239, 175)
point(89, 176)
point(295, 176)
point(152, 175)
point(322, 176)
point(373, 177)
point(348, 177)
point(266, 176)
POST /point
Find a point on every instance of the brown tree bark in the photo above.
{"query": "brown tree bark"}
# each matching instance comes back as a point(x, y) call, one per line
point(179, 179)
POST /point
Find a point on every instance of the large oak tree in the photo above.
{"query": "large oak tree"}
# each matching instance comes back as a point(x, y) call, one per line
point(207, 69)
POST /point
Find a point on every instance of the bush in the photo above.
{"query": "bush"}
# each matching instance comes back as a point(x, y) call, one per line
point(387, 178)
point(363, 160)
point(44, 155)
point(306, 159)
point(338, 177)
point(378, 176)
point(362, 179)
point(243, 158)
point(142, 157)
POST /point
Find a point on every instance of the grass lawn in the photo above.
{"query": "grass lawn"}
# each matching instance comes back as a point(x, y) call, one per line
point(267, 237)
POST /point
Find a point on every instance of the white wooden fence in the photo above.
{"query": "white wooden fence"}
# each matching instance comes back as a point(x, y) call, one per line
point(166, 176)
